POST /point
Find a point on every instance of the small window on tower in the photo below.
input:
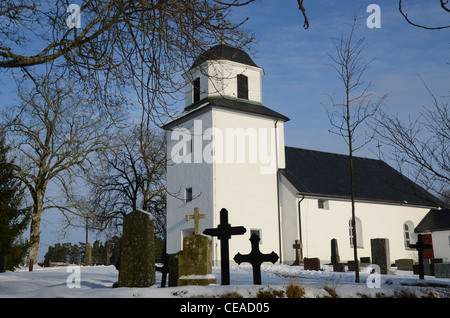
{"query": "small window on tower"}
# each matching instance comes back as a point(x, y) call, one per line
point(322, 204)
point(188, 195)
point(196, 89)
point(257, 232)
point(242, 85)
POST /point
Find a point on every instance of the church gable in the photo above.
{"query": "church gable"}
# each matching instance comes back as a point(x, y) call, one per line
point(326, 174)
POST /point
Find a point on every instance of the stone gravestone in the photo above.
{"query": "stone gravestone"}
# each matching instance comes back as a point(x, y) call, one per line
point(137, 258)
point(195, 260)
point(311, 264)
point(404, 264)
point(334, 252)
point(380, 254)
point(256, 258)
point(298, 250)
point(224, 231)
point(442, 270)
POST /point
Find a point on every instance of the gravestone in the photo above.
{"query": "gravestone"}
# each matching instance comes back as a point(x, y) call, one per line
point(364, 260)
point(87, 260)
point(311, 264)
point(334, 252)
point(404, 264)
point(420, 247)
point(256, 258)
point(195, 260)
point(137, 258)
point(354, 266)
point(442, 270)
point(298, 250)
point(3, 264)
point(380, 254)
point(339, 267)
point(224, 231)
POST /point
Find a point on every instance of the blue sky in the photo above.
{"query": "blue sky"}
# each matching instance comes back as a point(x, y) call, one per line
point(298, 76)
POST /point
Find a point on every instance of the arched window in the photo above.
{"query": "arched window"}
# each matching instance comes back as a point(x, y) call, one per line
point(408, 233)
point(359, 237)
point(242, 86)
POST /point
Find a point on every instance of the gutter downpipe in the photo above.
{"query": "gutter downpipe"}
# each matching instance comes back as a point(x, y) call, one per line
point(278, 192)
point(300, 226)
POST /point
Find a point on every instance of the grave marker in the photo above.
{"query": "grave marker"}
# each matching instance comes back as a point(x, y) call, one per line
point(137, 256)
point(311, 264)
point(256, 258)
point(420, 247)
point(380, 254)
point(334, 252)
point(196, 217)
point(224, 231)
point(298, 252)
point(164, 269)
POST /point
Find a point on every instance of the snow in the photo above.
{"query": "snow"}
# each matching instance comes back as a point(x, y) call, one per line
point(97, 281)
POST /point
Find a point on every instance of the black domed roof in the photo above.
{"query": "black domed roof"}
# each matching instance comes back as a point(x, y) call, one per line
point(224, 52)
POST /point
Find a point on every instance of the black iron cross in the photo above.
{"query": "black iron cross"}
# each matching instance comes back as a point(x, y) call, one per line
point(224, 231)
point(256, 258)
point(420, 246)
point(164, 269)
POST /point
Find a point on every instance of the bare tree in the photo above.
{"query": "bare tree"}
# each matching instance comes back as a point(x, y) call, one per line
point(141, 45)
point(421, 146)
point(131, 176)
point(54, 131)
point(444, 6)
point(357, 106)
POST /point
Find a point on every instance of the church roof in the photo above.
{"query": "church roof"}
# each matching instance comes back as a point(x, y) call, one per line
point(224, 52)
point(220, 102)
point(327, 174)
point(435, 220)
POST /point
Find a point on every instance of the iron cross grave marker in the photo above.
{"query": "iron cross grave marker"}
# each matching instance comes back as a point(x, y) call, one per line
point(256, 258)
point(224, 231)
point(420, 246)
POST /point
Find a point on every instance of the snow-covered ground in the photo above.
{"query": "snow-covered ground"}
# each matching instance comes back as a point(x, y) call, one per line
point(97, 281)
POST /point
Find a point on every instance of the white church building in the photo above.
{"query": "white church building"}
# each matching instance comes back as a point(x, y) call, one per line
point(227, 150)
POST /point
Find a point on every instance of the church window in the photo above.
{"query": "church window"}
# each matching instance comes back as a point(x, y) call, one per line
point(359, 237)
point(196, 89)
point(322, 204)
point(242, 86)
point(257, 232)
point(408, 233)
point(188, 195)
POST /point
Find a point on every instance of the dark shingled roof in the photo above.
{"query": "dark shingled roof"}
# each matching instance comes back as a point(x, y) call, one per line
point(327, 174)
point(220, 102)
point(224, 52)
point(435, 220)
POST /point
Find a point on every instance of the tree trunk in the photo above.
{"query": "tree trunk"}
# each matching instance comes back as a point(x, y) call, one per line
point(35, 226)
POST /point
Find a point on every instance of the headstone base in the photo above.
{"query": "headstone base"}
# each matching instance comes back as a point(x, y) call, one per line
point(442, 270)
point(197, 280)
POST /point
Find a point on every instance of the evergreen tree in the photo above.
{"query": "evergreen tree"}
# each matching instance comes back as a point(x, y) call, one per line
point(14, 218)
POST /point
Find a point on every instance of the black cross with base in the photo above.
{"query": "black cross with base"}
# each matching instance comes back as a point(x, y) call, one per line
point(256, 258)
point(420, 246)
point(223, 232)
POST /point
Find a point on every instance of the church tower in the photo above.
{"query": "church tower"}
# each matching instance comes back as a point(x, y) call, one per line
point(224, 151)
